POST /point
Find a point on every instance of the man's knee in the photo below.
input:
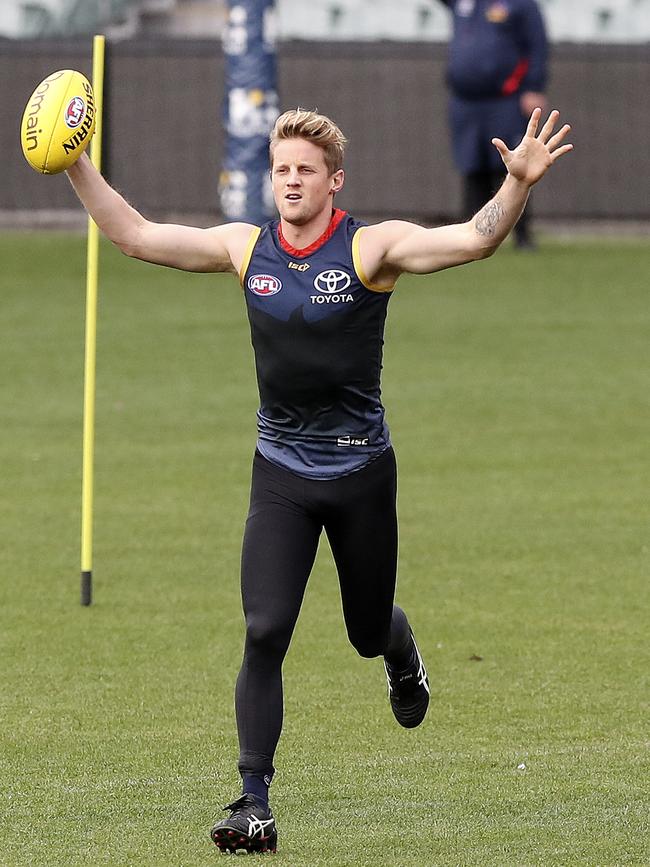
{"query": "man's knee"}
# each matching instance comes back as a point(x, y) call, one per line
point(265, 636)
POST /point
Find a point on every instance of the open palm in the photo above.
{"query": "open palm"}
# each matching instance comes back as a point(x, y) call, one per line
point(536, 152)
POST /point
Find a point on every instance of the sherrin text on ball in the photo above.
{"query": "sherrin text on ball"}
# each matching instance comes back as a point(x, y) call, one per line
point(58, 122)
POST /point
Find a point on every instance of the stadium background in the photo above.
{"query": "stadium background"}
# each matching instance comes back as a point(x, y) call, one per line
point(379, 75)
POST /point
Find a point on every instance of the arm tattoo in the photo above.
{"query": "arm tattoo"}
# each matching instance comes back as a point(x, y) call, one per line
point(488, 218)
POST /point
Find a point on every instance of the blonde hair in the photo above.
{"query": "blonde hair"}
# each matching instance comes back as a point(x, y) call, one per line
point(316, 128)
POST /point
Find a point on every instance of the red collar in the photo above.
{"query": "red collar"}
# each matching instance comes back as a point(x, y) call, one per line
point(296, 252)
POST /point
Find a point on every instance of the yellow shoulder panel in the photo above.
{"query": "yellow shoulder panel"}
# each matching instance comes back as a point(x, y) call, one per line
point(358, 267)
point(252, 240)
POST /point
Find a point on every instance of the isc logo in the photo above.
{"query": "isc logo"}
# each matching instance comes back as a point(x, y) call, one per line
point(264, 284)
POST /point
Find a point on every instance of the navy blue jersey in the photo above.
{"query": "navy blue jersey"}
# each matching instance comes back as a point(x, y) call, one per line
point(317, 327)
point(498, 48)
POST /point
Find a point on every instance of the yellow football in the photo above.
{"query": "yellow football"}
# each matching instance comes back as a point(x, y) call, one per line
point(58, 122)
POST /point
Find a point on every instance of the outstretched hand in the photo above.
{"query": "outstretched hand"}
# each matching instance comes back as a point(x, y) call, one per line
point(535, 153)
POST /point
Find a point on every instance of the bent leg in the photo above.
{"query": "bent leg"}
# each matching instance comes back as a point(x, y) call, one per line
point(280, 543)
point(362, 531)
point(363, 536)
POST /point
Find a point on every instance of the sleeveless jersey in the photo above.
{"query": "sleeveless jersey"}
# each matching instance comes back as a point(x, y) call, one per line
point(317, 328)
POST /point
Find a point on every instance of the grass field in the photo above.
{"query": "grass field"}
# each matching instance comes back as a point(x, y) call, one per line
point(518, 393)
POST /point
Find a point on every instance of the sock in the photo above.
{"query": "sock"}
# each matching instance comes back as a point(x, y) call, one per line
point(256, 785)
point(400, 651)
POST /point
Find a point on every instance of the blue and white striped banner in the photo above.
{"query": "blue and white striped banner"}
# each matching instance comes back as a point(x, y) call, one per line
point(251, 108)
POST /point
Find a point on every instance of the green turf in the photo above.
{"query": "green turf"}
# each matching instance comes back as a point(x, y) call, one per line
point(518, 392)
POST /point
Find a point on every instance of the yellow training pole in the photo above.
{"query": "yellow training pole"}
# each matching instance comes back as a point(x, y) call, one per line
point(91, 342)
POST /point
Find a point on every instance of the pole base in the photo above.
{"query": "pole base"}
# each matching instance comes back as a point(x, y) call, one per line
point(86, 588)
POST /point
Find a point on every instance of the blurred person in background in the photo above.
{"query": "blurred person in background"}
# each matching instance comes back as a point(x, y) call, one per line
point(496, 74)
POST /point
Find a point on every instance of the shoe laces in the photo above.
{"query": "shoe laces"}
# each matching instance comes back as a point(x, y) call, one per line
point(241, 803)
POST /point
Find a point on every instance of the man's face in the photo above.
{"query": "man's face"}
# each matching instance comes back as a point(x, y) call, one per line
point(302, 185)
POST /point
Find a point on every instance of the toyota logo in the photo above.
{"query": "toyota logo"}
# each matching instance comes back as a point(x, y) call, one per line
point(331, 281)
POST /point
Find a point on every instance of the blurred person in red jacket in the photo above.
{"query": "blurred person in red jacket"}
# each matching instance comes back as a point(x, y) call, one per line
point(496, 74)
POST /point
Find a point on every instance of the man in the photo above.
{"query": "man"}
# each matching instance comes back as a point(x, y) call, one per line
point(496, 74)
point(317, 284)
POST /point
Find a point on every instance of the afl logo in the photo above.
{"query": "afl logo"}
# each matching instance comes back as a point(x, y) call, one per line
point(264, 284)
point(331, 281)
point(75, 112)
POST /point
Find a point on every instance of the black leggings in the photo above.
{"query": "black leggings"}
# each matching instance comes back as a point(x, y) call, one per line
point(286, 516)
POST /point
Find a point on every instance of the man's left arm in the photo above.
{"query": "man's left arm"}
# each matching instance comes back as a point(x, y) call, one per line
point(395, 247)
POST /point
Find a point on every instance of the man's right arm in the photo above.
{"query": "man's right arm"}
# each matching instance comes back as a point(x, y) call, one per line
point(394, 247)
point(220, 248)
